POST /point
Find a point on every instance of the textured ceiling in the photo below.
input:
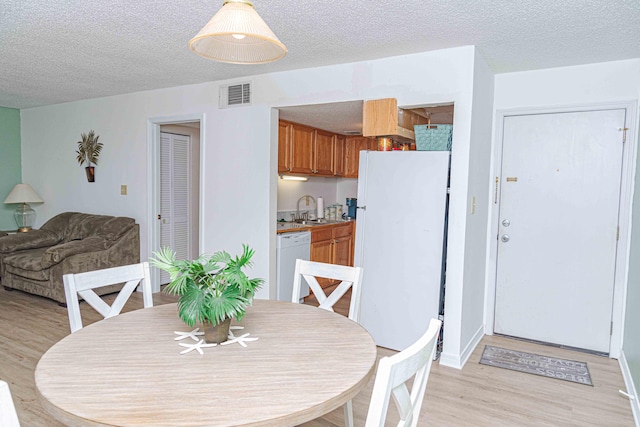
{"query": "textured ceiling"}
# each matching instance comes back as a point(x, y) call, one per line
point(65, 50)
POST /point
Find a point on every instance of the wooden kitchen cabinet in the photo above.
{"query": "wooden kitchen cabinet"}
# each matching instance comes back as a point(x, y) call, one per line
point(339, 156)
point(302, 149)
point(353, 146)
point(382, 117)
point(323, 153)
point(332, 245)
point(309, 151)
point(343, 244)
point(284, 147)
point(305, 150)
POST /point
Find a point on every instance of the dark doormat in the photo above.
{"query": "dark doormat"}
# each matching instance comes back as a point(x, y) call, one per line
point(562, 369)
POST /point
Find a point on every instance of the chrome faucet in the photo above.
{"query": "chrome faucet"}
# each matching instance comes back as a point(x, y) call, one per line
point(307, 197)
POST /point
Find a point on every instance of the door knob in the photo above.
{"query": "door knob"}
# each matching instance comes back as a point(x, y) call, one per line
point(504, 238)
point(506, 222)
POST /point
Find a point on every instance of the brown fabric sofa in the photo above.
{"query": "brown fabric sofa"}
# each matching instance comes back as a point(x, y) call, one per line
point(70, 242)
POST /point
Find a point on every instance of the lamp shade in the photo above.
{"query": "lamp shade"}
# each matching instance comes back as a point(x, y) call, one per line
point(238, 35)
point(24, 215)
point(23, 193)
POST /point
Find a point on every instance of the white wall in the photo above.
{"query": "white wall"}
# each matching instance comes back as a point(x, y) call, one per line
point(477, 210)
point(630, 357)
point(568, 86)
point(240, 149)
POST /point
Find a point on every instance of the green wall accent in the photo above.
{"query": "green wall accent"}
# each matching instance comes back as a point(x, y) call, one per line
point(10, 163)
point(631, 340)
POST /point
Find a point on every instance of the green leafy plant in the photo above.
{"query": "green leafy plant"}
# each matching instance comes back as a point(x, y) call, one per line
point(212, 287)
point(89, 149)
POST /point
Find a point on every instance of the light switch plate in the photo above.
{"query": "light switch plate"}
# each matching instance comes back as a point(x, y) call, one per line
point(123, 190)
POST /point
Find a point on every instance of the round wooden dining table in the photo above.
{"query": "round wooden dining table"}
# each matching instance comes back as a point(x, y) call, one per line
point(128, 370)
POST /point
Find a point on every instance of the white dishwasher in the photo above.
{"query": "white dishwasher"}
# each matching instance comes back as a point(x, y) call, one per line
point(289, 247)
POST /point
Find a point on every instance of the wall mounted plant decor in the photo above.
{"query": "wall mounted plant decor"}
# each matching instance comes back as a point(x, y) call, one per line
point(88, 152)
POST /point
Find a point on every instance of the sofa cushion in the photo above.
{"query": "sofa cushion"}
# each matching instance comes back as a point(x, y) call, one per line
point(55, 254)
point(59, 223)
point(115, 228)
point(31, 240)
point(27, 264)
point(84, 225)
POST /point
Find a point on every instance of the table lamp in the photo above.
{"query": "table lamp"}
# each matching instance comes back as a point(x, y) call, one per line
point(24, 215)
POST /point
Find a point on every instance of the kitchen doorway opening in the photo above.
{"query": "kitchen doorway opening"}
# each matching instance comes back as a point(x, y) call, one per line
point(344, 121)
point(175, 147)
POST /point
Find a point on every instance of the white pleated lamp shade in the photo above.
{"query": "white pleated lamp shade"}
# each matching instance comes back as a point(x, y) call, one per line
point(238, 35)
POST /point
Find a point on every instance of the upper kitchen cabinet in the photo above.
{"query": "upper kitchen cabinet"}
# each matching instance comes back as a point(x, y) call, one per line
point(382, 117)
point(302, 149)
point(353, 146)
point(284, 147)
point(309, 151)
point(324, 153)
point(339, 155)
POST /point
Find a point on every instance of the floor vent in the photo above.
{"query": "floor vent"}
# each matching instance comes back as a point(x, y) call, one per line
point(235, 95)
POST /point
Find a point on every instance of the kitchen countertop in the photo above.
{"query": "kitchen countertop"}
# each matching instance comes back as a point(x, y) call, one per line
point(286, 227)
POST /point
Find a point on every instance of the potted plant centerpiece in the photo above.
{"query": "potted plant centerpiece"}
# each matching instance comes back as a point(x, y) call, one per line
point(212, 289)
point(88, 152)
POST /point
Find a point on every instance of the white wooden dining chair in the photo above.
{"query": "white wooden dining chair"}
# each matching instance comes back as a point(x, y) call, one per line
point(350, 278)
point(83, 284)
point(8, 414)
point(393, 374)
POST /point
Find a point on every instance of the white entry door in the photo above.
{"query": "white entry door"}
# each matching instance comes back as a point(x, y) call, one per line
point(174, 196)
point(557, 241)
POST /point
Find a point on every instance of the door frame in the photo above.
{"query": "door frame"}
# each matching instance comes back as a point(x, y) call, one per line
point(153, 179)
point(624, 218)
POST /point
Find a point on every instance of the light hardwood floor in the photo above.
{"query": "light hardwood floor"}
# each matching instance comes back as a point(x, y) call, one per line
point(477, 395)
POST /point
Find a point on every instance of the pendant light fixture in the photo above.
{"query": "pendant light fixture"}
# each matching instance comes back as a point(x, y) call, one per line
point(238, 35)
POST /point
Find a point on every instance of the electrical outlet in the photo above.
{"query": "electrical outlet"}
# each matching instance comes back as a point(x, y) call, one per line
point(123, 190)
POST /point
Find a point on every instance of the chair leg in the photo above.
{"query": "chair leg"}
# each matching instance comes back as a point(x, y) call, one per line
point(348, 414)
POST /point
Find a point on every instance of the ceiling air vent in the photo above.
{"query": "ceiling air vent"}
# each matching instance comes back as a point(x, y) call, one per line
point(235, 95)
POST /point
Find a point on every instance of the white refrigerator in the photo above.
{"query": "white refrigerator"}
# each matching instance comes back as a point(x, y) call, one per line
point(400, 224)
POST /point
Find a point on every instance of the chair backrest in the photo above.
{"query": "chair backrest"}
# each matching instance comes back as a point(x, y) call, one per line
point(350, 277)
point(393, 373)
point(8, 415)
point(83, 284)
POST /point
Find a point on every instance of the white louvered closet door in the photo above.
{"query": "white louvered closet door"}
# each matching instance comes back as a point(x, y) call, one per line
point(174, 196)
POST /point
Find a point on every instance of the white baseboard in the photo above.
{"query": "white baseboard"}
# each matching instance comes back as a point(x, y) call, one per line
point(631, 388)
point(458, 360)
